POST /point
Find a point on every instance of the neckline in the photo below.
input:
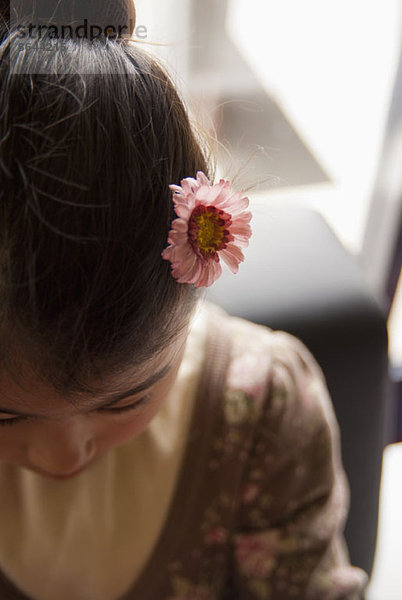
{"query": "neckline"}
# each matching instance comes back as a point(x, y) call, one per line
point(184, 500)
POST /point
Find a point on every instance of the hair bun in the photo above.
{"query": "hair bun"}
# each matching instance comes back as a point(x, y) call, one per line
point(115, 18)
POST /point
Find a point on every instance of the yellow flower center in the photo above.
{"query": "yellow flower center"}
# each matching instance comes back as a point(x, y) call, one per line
point(209, 229)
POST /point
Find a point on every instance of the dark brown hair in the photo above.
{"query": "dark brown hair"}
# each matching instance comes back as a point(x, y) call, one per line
point(85, 166)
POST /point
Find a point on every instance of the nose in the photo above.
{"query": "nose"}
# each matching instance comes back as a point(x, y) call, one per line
point(61, 448)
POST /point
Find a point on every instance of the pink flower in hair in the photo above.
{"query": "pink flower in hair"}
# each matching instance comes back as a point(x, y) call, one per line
point(212, 224)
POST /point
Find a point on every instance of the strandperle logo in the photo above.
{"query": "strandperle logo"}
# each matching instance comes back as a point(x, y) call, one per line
point(36, 41)
point(29, 32)
point(44, 30)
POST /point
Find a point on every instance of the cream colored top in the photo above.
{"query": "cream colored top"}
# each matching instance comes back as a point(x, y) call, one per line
point(89, 537)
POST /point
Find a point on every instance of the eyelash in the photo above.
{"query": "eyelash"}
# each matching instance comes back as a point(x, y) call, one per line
point(140, 402)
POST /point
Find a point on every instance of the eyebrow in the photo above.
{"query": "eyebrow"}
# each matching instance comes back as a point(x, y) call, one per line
point(113, 399)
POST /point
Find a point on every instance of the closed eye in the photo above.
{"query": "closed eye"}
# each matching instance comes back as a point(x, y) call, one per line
point(119, 409)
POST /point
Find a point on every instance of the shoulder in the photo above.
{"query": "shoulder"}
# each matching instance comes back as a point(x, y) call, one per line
point(275, 385)
point(265, 360)
point(293, 497)
point(246, 335)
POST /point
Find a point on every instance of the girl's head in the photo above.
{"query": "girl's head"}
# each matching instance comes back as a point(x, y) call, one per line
point(88, 148)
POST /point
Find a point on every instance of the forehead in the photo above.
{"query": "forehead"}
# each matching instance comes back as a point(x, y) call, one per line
point(27, 391)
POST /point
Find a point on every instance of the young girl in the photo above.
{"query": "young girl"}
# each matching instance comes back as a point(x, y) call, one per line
point(152, 447)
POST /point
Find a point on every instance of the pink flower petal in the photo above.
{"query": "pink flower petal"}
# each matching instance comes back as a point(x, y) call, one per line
point(215, 272)
point(183, 211)
point(178, 254)
point(189, 185)
point(177, 237)
point(235, 251)
point(232, 255)
point(177, 189)
point(230, 260)
point(183, 271)
point(180, 225)
point(202, 178)
point(244, 217)
point(167, 253)
point(235, 205)
point(208, 195)
point(184, 257)
point(241, 241)
point(222, 198)
point(189, 203)
point(196, 272)
point(210, 273)
point(240, 229)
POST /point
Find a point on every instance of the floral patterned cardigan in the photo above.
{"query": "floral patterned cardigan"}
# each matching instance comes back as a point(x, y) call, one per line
point(262, 497)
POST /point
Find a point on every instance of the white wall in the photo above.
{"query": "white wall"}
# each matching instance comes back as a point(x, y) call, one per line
point(167, 23)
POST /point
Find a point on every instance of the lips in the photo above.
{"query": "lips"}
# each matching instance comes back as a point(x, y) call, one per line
point(64, 476)
point(61, 477)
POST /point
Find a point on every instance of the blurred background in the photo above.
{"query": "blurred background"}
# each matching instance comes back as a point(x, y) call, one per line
point(305, 97)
